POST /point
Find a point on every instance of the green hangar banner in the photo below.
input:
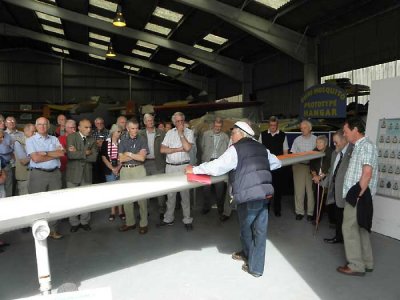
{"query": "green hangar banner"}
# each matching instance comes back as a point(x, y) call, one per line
point(323, 101)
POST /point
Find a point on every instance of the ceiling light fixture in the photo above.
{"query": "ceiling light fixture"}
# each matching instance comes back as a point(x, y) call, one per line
point(110, 51)
point(119, 20)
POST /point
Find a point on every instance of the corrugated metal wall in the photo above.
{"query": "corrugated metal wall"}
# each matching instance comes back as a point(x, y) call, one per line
point(374, 41)
point(278, 82)
point(30, 77)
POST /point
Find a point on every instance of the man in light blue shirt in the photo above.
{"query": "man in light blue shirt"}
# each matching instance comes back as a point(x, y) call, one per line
point(45, 152)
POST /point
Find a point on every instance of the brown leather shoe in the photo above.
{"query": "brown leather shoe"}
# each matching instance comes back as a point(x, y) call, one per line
point(55, 235)
point(245, 268)
point(347, 271)
point(124, 228)
point(143, 230)
point(239, 256)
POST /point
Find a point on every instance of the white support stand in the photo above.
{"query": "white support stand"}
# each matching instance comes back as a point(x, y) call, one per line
point(41, 231)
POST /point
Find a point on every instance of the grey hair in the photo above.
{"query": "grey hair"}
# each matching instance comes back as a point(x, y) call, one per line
point(219, 120)
point(178, 113)
point(47, 120)
point(113, 129)
point(146, 116)
point(323, 138)
point(70, 121)
point(308, 123)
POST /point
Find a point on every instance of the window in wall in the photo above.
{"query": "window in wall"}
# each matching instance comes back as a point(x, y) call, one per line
point(185, 61)
point(167, 14)
point(275, 4)
point(99, 37)
point(98, 46)
point(157, 28)
point(146, 45)
point(59, 50)
point(203, 48)
point(96, 16)
point(107, 5)
point(219, 40)
point(365, 76)
point(132, 68)
point(178, 67)
point(141, 53)
point(53, 29)
point(47, 17)
point(97, 56)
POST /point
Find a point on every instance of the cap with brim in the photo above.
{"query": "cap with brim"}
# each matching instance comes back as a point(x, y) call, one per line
point(244, 126)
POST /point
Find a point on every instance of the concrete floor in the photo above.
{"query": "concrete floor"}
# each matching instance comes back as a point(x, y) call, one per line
point(170, 263)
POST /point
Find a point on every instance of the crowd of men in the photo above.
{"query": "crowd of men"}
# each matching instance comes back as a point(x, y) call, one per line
point(73, 155)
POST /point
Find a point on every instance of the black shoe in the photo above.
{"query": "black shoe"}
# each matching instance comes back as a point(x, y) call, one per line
point(224, 218)
point(75, 228)
point(189, 227)
point(333, 241)
point(299, 217)
point(162, 224)
point(86, 227)
point(310, 218)
point(205, 211)
point(278, 214)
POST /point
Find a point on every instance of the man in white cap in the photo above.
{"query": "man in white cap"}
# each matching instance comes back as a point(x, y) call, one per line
point(249, 165)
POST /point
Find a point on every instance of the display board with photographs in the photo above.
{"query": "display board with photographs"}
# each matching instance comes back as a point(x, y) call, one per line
point(388, 144)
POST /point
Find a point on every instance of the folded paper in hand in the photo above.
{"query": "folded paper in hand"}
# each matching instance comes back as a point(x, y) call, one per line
point(199, 178)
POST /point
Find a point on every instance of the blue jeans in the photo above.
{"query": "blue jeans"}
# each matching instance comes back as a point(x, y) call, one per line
point(253, 222)
point(111, 177)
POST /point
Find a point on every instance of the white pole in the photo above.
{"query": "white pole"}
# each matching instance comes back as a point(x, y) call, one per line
point(41, 231)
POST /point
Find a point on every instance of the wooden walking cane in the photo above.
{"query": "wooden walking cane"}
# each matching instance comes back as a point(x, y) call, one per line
point(319, 210)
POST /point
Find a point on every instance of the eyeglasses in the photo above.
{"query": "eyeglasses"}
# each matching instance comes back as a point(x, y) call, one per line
point(10, 121)
point(41, 124)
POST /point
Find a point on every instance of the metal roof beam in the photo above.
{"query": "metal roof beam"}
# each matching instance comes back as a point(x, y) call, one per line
point(225, 65)
point(190, 79)
point(286, 40)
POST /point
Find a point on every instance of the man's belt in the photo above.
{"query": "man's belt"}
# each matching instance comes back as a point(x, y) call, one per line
point(179, 164)
point(131, 165)
point(45, 170)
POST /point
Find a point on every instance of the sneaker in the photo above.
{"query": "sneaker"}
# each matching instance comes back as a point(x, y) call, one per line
point(162, 224)
point(239, 256)
point(55, 235)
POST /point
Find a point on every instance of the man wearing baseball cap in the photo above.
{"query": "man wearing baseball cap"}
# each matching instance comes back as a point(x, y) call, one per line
point(249, 165)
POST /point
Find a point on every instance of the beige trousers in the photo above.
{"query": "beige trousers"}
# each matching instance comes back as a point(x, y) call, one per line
point(357, 244)
point(303, 183)
point(135, 173)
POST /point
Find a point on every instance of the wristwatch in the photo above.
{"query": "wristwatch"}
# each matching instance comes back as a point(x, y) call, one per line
point(46, 153)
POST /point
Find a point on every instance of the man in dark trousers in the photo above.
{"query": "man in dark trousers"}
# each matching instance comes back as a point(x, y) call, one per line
point(339, 164)
point(249, 165)
point(276, 142)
